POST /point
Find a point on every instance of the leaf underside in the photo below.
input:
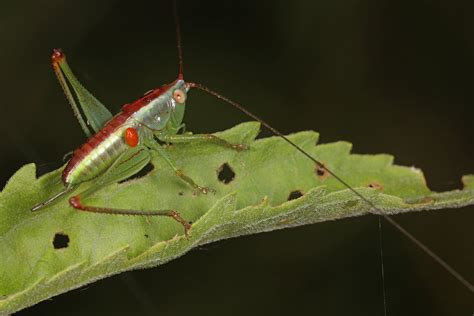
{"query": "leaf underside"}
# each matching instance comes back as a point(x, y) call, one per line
point(254, 200)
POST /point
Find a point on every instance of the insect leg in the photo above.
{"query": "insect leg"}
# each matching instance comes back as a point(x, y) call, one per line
point(76, 202)
point(125, 166)
point(96, 114)
point(188, 138)
point(157, 147)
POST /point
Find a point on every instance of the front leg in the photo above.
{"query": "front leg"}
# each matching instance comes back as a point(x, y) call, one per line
point(157, 147)
point(189, 138)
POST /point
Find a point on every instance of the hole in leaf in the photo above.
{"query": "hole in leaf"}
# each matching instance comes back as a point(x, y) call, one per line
point(321, 171)
point(140, 174)
point(294, 195)
point(180, 193)
point(376, 185)
point(146, 235)
point(225, 174)
point(60, 240)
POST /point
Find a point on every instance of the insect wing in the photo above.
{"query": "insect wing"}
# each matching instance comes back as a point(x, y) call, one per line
point(125, 166)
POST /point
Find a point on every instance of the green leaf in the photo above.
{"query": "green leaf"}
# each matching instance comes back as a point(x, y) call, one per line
point(255, 200)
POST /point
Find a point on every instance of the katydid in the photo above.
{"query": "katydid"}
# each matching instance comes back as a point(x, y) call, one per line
point(121, 145)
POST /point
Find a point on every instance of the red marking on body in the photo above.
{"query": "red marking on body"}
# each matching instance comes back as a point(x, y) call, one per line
point(143, 101)
point(75, 202)
point(131, 137)
point(57, 56)
point(116, 122)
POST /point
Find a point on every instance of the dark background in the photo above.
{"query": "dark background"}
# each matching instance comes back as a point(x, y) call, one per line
point(387, 75)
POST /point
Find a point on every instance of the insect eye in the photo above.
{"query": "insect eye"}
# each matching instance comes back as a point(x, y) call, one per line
point(179, 96)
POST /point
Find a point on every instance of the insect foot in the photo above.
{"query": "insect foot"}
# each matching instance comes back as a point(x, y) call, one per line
point(187, 226)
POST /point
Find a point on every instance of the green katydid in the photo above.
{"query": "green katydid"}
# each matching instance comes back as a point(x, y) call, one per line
point(121, 145)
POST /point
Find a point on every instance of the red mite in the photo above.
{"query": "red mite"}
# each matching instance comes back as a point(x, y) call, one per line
point(131, 137)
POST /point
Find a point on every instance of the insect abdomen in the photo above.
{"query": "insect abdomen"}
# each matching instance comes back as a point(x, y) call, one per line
point(98, 153)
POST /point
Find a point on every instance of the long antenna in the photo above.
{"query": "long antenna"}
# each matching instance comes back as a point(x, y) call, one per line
point(374, 210)
point(178, 39)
